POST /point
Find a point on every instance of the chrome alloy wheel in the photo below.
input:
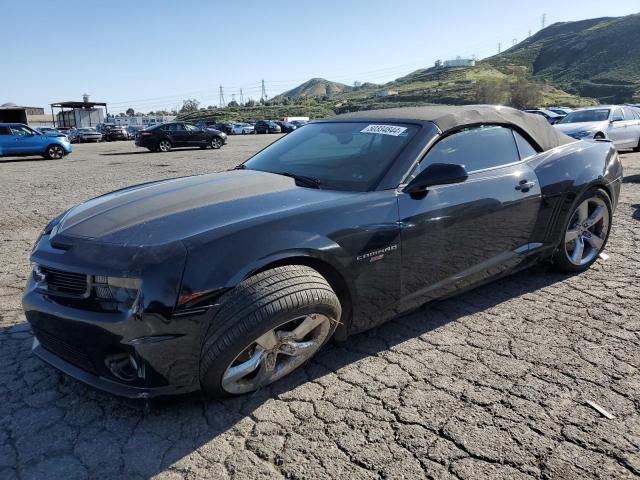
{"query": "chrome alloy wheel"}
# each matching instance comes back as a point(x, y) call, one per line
point(587, 231)
point(216, 143)
point(164, 145)
point(56, 152)
point(276, 353)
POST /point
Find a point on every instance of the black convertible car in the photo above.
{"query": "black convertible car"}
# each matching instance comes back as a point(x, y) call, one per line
point(229, 281)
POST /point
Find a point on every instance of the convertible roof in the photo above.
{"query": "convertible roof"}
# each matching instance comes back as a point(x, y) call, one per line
point(454, 117)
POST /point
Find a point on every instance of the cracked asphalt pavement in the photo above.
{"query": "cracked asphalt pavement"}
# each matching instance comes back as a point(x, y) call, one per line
point(492, 384)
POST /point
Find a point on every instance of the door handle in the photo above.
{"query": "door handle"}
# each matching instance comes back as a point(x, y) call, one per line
point(525, 185)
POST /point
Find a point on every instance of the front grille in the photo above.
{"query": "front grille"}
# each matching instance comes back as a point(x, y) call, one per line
point(59, 281)
point(67, 352)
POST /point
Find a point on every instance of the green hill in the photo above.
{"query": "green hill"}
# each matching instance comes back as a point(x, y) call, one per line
point(314, 88)
point(597, 58)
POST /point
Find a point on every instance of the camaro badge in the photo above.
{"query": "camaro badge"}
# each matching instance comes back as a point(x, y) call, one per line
point(376, 255)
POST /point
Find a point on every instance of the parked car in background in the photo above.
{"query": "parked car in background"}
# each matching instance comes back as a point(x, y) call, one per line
point(18, 139)
point(52, 132)
point(229, 281)
point(115, 132)
point(132, 130)
point(617, 123)
point(560, 110)
point(286, 127)
point(241, 128)
point(164, 137)
point(266, 126)
point(552, 117)
point(85, 134)
point(299, 123)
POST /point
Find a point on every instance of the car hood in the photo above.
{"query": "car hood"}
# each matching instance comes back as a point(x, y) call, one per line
point(569, 128)
point(175, 209)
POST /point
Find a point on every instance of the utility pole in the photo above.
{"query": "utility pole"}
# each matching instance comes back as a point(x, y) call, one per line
point(263, 96)
point(544, 20)
point(241, 98)
point(222, 102)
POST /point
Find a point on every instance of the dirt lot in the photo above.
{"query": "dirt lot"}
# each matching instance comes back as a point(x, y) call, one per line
point(490, 384)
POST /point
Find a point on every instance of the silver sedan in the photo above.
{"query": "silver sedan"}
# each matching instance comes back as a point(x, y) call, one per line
point(620, 124)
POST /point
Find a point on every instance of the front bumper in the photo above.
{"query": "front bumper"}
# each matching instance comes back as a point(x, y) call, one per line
point(87, 339)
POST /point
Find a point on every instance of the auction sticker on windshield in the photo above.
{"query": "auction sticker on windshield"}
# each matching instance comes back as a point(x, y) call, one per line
point(384, 130)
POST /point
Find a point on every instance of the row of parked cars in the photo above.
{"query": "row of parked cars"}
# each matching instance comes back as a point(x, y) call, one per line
point(257, 127)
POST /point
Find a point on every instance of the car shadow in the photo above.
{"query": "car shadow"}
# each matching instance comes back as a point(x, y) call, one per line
point(222, 415)
point(146, 152)
point(631, 179)
point(636, 213)
point(25, 159)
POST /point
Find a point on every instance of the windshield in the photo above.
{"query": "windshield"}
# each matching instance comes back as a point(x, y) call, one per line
point(341, 156)
point(599, 115)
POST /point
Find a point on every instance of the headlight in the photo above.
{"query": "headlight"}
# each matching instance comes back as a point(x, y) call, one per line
point(123, 290)
point(582, 133)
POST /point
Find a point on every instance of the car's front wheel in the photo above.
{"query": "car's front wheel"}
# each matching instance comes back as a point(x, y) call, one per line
point(266, 327)
point(216, 143)
point(164, 145)
point(54, 152)
point(585, 233)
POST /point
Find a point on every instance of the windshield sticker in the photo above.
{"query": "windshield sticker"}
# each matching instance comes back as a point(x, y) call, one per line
point(392, 130)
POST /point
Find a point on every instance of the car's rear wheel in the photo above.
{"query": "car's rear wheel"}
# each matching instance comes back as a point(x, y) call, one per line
point(164, 145)
point(216, 143)
point(586, 232)
point(54, 152)
point(267, 327)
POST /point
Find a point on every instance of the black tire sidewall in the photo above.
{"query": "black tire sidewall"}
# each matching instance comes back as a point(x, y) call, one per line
point(211, 381)
point(560, 261)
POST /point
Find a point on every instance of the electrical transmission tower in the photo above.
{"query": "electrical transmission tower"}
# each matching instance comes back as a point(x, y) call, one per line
point(544, 20)
point(499, 47)
point(222, 103)
point(263, 95)
point(241, 98)
point(514, 41)
point(233, 97)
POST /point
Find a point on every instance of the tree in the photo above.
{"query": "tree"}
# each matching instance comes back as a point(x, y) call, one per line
point(250, 103)
point(233, 104)
point(525, 93)
point(190, 105)
point(491, 91)
point(130, 112)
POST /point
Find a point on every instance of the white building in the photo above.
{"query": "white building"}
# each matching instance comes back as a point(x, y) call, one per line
point(459, 62)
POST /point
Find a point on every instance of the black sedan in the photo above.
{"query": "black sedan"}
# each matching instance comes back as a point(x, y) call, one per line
point(265, 126)
point(229, 281)
point(164, 137)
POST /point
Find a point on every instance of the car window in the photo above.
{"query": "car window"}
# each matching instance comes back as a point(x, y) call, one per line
point(21, 131)
point(524, 147)
point(629, 114)
point(341, 155)
point(175, 127)
point(475, 148)
point(617, 115)
point(5, 130)
point(593, 115)
point(191, 128)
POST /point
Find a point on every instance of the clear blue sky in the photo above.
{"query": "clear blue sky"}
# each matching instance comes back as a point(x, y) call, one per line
point(152, 54)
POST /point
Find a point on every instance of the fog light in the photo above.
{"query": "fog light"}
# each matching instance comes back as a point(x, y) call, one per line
point(120, 289)
point(124, 366)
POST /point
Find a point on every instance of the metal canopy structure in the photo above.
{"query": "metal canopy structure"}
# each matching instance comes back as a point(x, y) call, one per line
point(72, 105)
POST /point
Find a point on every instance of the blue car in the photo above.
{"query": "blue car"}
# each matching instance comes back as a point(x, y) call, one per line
point(17, 139)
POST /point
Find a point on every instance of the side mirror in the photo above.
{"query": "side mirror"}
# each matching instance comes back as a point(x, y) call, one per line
point(437, 174)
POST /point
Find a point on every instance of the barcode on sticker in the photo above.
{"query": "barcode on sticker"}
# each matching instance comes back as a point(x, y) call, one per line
point(392, 130)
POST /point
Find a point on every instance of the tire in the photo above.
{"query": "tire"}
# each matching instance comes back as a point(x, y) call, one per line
point(599, 136)
point(216, 143)
point(54, 152)
point(576, 232)
point(267, 308)
point(164, 145)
